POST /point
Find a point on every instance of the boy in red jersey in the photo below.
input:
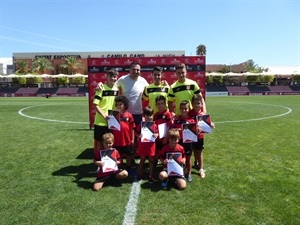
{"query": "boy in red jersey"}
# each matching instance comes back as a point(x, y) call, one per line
point(102, 176)
point(179, 121)
point(197, 102)
point(124, 138)
point(147, 148)
point(172, 147)
point(162, 118)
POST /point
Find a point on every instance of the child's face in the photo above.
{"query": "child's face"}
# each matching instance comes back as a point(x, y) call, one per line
point(120, 106)
point(112, 79)
point(108, 143)
point(197, 104)
point(184, 109)
point(173, 142)
point(181, 74)
point(157, 76)
point(161, 105)
point(148, 118)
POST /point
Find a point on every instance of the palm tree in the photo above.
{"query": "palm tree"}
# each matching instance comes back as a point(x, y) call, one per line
point(22, 67)
point(201, 50)
point(72, 64)
point(41, 65)
point(252, 67)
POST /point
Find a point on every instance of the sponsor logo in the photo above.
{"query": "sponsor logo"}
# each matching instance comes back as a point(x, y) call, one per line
point(151, 61)
point(105, 62)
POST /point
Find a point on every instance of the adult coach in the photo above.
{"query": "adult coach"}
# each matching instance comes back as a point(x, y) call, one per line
point(182, 89)
point(132, 86)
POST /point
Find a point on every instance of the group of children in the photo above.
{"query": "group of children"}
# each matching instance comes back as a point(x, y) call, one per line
point(172, 142)
point(119, 142)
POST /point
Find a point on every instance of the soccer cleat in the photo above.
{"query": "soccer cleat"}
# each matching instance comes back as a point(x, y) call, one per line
point(195, 165)
point(201, 173)
point(164, 184)
point(190, 178)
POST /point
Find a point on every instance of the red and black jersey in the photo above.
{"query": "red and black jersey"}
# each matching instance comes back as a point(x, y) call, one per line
point(166, 149)
point(111, 153)
point(194, 115)
point(146, 148)
point(179, 120)
point(163, 117)
point(124, 136)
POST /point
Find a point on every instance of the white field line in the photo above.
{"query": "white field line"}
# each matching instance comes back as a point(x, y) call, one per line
point(289, 110)
point(48, 120)
point(131, 206)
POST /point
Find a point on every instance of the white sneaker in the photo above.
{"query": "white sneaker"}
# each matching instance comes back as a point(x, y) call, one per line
point(190, 178)
point(201, 173)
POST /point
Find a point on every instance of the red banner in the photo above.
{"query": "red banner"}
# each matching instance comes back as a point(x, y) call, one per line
point(98, 66)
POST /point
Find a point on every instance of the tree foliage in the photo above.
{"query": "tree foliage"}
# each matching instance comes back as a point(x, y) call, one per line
point(40, 65)
point(72, 64)
point(22, 67)
point(251, 66)
point(201, 50)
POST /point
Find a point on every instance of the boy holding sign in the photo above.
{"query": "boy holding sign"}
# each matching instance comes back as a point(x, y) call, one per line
point(173, 159)
point(107, 160)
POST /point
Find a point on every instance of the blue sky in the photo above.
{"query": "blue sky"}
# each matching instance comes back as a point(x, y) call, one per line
point(233, 31)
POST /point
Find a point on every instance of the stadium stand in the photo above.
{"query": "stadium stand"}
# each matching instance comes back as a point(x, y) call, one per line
point(261, 89)
point(67, 91)
point(45, 91)
point(26, 91)
point(8, 91)
point(216, 88)
point(238, 90)
point(83, 90)
point(295, 88)
point(280, 89)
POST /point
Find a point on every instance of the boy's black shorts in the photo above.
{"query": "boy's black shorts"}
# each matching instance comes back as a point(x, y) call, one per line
point(188, 148)
point(99, 131)
point(199, 145)
point(104, 178)
point(124, 150)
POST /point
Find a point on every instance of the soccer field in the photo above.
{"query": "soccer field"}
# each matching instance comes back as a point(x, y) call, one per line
point(251, 159)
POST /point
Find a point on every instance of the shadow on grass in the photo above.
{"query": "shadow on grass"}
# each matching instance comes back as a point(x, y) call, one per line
point(80, 172)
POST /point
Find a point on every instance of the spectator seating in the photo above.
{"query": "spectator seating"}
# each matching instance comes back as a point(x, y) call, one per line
point(83, 90)
point(239, 90)
point(280, 88)
point(254, 88)
point(44, 91)
point(295, 88)
point(26, 91)
point(67, 91)
point(216, 88)
point(8, 91)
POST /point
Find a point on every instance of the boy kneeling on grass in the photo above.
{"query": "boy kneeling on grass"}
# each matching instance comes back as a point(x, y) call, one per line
point(107, 160)
point(172, 148)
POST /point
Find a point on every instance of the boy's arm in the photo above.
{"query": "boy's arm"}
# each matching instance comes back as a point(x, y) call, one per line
point(101, 112)
point(203, 105)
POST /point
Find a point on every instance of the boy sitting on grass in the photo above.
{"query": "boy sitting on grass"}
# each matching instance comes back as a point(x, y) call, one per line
point(106, 171)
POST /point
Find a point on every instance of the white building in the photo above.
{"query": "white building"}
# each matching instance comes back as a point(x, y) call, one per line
point(6, 66)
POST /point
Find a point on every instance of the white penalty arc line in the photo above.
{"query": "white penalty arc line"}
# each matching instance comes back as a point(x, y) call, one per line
point(220, 122)
point(20, 112)
point(131, 206)
point(261, 118)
